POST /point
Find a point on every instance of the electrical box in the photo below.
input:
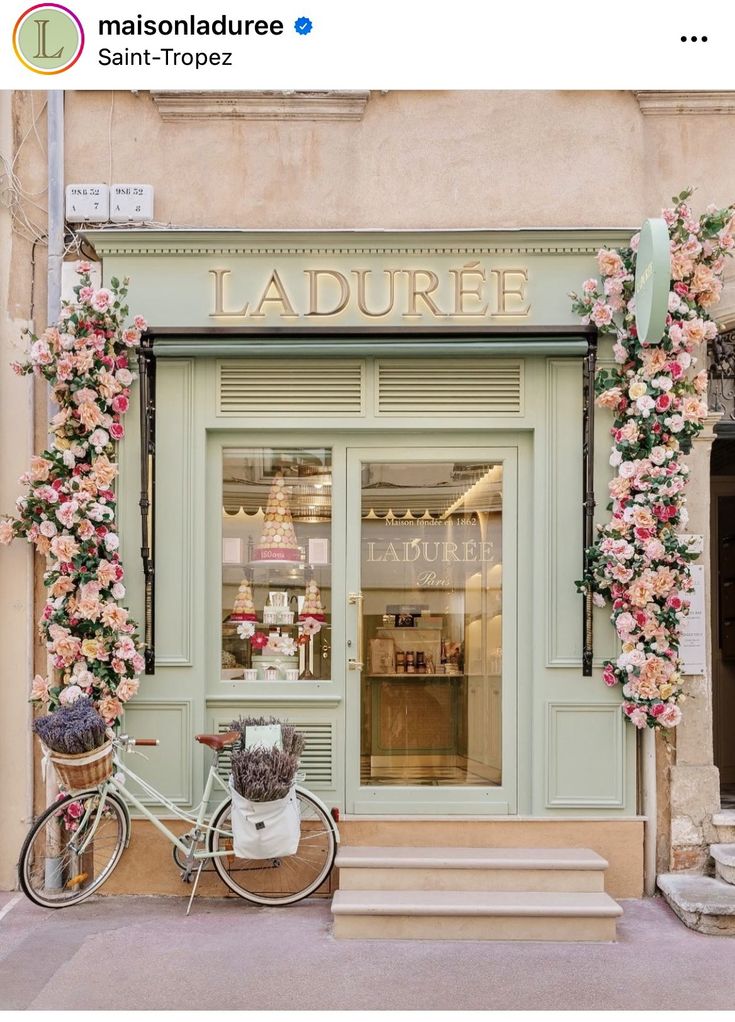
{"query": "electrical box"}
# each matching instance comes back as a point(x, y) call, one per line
point(85, 203)
point(131, 202)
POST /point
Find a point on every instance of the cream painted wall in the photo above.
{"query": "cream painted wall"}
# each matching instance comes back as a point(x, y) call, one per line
point(16, 579)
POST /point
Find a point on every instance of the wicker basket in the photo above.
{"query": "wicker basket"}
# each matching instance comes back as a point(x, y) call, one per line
point(83, 770)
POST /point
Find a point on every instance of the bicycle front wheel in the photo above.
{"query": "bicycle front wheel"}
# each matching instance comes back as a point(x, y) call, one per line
point(284, 880)
point(65, 858)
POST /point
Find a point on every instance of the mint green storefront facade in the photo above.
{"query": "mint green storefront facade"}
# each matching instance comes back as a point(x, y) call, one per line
point(408, 406)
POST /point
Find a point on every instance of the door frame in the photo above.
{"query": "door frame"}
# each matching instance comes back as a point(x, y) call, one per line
point(440, 800)
point(336, 691)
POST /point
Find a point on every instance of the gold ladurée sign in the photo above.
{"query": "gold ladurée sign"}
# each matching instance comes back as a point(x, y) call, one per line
point(467, 292)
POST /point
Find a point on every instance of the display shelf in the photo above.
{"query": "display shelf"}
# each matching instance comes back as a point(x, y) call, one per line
point(271, 624)
point(415, 674)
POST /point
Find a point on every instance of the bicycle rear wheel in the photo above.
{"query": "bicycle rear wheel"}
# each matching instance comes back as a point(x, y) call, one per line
point(51, 870)
point(285, 880)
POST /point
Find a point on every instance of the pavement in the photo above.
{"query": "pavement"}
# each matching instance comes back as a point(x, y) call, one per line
point(228, 955)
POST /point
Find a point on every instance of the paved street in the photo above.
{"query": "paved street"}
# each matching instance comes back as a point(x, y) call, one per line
point(227, 955)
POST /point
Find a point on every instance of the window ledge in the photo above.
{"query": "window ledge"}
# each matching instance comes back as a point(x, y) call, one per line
point(331, 105)
point(667, 102)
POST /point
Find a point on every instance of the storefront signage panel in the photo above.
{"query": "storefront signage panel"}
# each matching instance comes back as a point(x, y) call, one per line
point(301, 283)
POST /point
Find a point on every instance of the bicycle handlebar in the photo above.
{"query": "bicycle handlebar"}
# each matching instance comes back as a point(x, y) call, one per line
point(144, 741)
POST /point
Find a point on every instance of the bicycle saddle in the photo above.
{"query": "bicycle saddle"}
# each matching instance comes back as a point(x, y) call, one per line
point(218, 742)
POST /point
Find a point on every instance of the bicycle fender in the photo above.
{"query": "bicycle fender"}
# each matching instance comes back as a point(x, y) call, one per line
point(323, 805)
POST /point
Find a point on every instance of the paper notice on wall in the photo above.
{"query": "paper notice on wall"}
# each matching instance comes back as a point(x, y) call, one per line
point(692, 648)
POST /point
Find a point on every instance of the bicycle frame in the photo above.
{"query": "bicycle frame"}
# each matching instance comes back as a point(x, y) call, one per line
point(197, 819)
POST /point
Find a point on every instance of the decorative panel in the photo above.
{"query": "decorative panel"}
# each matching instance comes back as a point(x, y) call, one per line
point(167, 766)
point(317, 760)
point(458, 387)
point(585, 749)
point(564, 512)
point(174, 495)
point(298, 387)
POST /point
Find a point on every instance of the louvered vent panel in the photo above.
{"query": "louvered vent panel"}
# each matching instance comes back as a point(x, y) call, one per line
point(317, 760)
point(288, 387)
point(459, 387)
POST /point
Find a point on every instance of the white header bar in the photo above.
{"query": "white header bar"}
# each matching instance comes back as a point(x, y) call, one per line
point(379, 44)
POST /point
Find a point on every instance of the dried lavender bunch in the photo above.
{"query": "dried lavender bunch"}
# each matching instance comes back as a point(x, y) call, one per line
point(293, 740)
point(263, 775)
point(72, 729)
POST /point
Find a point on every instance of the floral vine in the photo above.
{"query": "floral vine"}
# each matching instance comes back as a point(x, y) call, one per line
point(69, 510)
point(639, 561)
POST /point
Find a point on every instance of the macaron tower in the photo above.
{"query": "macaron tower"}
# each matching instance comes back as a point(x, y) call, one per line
point(244, 608)
point(312, 603)
point(278, 540)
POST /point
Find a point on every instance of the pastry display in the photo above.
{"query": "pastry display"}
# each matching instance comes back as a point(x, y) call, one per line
point(278, 540)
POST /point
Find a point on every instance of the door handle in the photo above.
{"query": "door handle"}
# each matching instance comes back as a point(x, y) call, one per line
point(355, 599)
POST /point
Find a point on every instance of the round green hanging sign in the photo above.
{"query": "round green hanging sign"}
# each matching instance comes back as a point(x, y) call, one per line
point(652, 281)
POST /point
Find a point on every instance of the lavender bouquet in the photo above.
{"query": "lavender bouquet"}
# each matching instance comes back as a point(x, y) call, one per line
point(266, 774)
point(72, 729)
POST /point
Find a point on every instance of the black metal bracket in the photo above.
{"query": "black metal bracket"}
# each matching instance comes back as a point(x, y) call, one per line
point(147, 503)
point(589, 368)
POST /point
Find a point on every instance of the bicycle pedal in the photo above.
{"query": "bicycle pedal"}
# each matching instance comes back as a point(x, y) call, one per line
point(186, 876)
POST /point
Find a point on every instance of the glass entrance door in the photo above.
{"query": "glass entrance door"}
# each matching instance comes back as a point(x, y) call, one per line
point(431, 626)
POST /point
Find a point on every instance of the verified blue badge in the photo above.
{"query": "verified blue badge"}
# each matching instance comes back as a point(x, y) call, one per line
point(303, 25)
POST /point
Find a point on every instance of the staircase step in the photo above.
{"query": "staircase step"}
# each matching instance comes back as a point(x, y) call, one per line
point(470, 869)
point(475, 915)
point(724, 821)
point(724, 856)
point(706, 904)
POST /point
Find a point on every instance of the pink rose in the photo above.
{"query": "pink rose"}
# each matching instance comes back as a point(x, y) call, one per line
point(663, 402)
point(117, 431)
point(120, 404)
point(101, 300)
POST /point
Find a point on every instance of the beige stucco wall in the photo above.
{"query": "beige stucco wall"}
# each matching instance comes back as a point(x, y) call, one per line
point(434, 160)
point(416, 159)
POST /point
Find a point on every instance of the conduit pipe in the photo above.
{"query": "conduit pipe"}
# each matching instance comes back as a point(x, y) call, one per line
point(648, 752)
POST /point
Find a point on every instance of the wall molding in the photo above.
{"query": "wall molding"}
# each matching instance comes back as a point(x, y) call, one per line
point(181, 656)
point(184, 748)
point(669, 102)
point(187, 242)
point(614, 757)
point(261, 105)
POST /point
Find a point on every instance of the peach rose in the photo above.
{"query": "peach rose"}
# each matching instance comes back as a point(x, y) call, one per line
point(114, 616)
point(109, 708)
point(39, 689)
point(610, 263)
point(127, 689)
point(64, 548)
point(89, 415)
point(103, 471)
point(40, 468)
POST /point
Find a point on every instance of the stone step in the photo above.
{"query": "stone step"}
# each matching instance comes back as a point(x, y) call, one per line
point(724, 856)
point(706, 904)
point(724, 821)
point(475, 915)
point(470, 869)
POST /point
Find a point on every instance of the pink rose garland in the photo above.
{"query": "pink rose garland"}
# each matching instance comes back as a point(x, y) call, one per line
point(69, 510)
point(639, 562)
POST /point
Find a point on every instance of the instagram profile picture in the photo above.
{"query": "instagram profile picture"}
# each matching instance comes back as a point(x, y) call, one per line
point(48, 39)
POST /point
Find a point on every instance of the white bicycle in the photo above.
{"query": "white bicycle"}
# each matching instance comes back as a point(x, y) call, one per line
point(77, 842)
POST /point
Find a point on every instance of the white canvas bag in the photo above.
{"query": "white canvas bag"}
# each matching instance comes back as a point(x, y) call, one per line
point(265, 830)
